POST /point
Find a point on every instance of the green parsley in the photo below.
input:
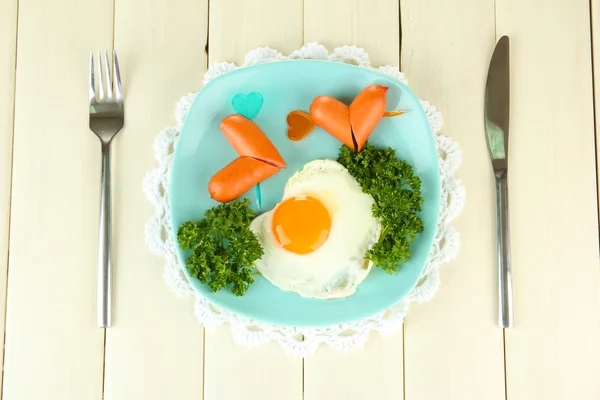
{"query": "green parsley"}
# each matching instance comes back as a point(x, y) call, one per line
point(223, 246)
point(397, 193)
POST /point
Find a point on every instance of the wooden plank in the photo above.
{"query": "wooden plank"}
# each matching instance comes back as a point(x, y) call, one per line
point(595, 21)
point(375, 26)
point(372, 372)
point(453, 347)
point(234, 372)
point(8, 45)
point(53, 348)
point(553, 352)
point(235, 27)
point(161, 51)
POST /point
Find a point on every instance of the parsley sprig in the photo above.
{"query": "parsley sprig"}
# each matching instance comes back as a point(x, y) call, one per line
point(223, 246)
point(396, 190)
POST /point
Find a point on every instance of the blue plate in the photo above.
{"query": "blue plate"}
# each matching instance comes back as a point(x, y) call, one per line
point(202, 150)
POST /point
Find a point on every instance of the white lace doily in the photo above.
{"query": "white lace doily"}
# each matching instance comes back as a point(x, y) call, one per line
point(303, 341)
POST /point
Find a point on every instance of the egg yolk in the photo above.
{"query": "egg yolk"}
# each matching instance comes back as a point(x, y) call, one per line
point(301, 224)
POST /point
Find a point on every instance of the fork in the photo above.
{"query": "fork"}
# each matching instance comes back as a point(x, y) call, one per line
point(106, 119)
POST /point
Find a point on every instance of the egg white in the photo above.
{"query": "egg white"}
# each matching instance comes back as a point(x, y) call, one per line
point(336, 268)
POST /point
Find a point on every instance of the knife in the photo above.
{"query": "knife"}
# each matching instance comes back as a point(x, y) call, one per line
point(496, 118)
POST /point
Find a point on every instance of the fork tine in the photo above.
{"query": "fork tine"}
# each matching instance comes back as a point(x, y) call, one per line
point(92, 79)
point(109, 82)
point(100, 81)
point(118, 87)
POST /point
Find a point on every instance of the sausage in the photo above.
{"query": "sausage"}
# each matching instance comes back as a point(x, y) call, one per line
point(237, 177)
point(333, 116)
point(354, 124)
point(250, 141)
point(366, 110)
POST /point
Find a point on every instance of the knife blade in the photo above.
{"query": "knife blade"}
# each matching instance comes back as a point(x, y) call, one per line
point(496, 118)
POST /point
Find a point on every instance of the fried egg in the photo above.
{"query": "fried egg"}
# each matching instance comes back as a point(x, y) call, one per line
point(316, 237)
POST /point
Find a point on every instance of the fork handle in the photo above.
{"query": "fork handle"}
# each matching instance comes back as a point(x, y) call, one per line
point(505, 300)
point(104, 239)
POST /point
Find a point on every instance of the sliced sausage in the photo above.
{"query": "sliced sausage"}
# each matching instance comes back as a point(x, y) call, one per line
point(366, 110)
point(250, 141)
point(333, 116)
point(237, 177)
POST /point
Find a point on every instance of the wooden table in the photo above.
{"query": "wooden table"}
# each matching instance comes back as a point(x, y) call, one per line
point(450, 348)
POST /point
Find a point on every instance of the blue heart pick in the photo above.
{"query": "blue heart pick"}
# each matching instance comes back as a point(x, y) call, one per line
point(247, 105)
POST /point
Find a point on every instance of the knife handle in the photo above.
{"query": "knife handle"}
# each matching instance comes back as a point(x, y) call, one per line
point(505, 301)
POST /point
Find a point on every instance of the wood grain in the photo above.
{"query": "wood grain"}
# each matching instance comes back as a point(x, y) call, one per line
point(373, 25)
point(372, 372)
point(53, 347)
point(161, 51)
point(238, 26)
point(232, 371)
point(595, 25)
point(553, 352)
point(453, 347)
point(235, 372)
point(375, 372)
point(8, 46)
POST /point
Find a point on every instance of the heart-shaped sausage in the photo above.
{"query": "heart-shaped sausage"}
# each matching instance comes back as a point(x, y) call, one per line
point(299, 125)
point(352, 124)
